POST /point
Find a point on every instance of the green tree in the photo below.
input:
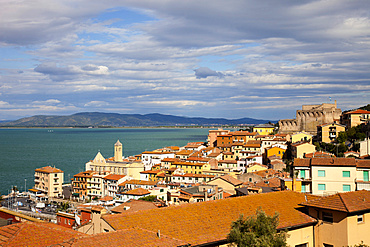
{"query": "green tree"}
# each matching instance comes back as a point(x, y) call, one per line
point(148, 198)
point(257, 231)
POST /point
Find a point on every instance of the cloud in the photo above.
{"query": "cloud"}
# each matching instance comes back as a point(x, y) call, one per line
point(204, 72)
point(139, 56)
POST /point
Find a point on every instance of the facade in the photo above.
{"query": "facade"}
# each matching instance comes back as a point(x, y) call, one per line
point(326, 176)
point(212, 136)
point(365, 147)
point(117, 164)
point(111, 183)
point(309, 117)
point(300, 149)
point(343, 219)
point(328, 133)
point(49, 180)
point(151, 158)
point(79, 184)
point(227, 183)
point(301, 136)
point(354, 118)
point(263, 129)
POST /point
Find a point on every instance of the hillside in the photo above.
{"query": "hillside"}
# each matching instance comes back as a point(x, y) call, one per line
point(95, 119)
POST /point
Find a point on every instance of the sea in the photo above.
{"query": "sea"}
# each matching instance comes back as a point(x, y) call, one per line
point(69, 149)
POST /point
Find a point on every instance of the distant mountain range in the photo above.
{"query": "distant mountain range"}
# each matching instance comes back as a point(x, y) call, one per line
point(99, 119)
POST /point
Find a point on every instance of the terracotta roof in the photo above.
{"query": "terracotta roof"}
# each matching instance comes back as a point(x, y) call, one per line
point(126, 238)
point(35, 234)
point(133, 206)
point(157, 152)
point(358, 111)
point(137, 192)
point(48, 169)
point(229, 179)
point(272, 183)
point(298, 162)
point(349, 202)
point(210, 221)
point(363, 163)
point(114, 177)
point(319, 154)
point(333, 162)
point(138, 182)
point(106, 199)
point(228, 161)
point(184, 152)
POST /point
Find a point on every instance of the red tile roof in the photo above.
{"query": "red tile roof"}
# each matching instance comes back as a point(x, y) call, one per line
point(35, 234)
point(133, 206)
point(48, 169)
point(230, 179)
point(137, 192)
point(358, 111)
point(349, 202)
point(363, 163)
point(210, 221)
point(114, 177)
point(127, 238)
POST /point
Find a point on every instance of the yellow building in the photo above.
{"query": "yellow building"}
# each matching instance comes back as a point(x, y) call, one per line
point(343, 219)
point(49, 180)
point(300, 149)
point(328, 133)
point(190, 167)
point(263, 129)
point(277, 151)
point(256, 167)
point(301, 136)
point(354, 118)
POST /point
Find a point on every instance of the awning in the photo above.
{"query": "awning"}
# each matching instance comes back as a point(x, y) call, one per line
point(76, 194)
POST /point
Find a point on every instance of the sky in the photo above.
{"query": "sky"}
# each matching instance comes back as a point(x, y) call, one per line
point(210, 58)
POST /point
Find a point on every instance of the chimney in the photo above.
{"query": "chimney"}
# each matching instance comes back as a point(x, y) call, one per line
point(159, 234)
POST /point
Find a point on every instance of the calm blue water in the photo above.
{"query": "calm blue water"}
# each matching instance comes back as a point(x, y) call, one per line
point(23, 150)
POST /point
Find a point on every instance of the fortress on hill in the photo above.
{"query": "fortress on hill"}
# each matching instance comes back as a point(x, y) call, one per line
point(310, 117)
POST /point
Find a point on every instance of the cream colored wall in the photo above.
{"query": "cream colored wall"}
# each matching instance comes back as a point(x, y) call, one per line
point(224, 185)
point(304, 149)
point(325, 132)
point(332, 233)
point(299, 136)
point(134, 170)
point(256, 168)
point(300, 236)
point(333, 179)
point(358, 232)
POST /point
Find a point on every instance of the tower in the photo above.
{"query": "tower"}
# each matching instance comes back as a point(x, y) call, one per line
point(118, 151)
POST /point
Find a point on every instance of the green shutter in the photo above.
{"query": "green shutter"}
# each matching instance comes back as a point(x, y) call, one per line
point(366, 176)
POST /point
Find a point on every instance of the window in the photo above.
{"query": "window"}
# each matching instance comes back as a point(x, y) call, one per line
point(346, 187)
point(360, 218)
point(302, 174)
point(321, 173)
point(366, 176)
point(303, 188)
point(346, 174)
point(328, 217)
point(301, 245)
point(321, 186)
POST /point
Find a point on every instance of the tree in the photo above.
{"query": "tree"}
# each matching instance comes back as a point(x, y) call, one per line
point(150, 198)
point(257, 231)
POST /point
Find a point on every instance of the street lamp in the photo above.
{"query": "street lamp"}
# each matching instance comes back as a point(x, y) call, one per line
point(25, 182)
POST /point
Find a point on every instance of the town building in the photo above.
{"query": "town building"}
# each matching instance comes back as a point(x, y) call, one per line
point(117, 164)
point(354, 118)
point(49, 180)
point(325, 176)
point(264, 129)
point(328, 133)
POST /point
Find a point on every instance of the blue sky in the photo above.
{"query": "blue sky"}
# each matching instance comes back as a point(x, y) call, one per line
point(234, 59)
